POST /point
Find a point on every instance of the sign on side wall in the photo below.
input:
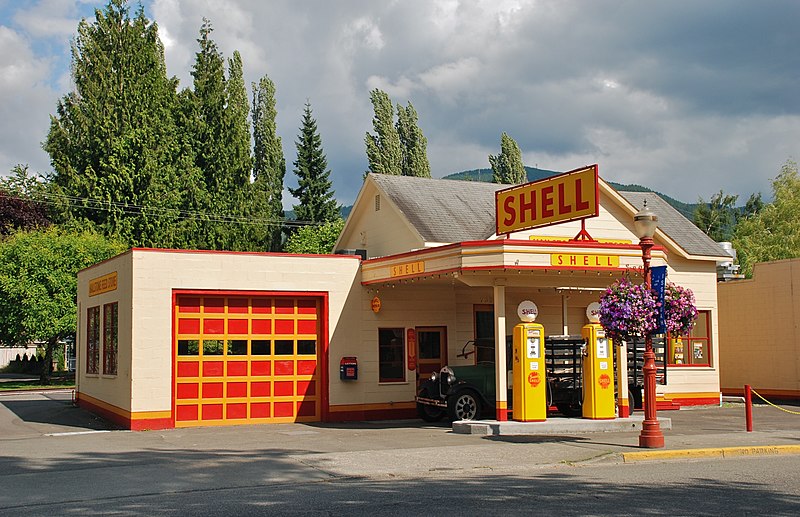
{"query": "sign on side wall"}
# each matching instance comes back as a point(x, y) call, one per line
point(411, 345)
point(103, 284)
point(566, 197)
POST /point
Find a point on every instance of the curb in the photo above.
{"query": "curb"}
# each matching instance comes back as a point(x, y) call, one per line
point(713, 452)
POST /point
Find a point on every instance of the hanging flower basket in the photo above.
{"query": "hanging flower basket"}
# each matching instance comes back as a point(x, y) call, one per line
point(680, 311)
point(627, 310)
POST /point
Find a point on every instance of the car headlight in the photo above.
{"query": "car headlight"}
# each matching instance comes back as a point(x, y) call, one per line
point(451, 377)
point(434, 376)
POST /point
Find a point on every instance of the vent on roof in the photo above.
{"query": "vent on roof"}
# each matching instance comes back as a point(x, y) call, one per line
point(377, 202)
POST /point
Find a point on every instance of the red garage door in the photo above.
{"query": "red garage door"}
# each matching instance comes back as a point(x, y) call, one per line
point(246, 359)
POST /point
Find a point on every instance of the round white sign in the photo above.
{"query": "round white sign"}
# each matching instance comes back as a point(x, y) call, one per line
point(593, 312)
point(527, 311)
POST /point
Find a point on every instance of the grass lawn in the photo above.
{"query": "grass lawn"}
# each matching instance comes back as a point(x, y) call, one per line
point(56, 381)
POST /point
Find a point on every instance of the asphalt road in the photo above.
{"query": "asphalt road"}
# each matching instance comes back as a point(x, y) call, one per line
point(60, 460)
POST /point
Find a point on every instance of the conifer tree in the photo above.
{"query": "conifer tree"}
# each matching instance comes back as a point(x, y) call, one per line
point(314, 192)
point(384, 151)
point(269, 165)
point(413, 143)
point(507, 166)
point(112, 142)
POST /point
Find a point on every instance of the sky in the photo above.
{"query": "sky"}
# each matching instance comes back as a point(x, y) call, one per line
point(684, 97)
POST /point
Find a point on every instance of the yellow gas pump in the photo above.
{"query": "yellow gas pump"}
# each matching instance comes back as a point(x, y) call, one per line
point(528, 369)
point(598, 374)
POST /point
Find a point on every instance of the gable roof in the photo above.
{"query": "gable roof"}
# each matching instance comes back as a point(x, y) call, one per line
point(450, 211)
point(443, 210)
point(675, 225)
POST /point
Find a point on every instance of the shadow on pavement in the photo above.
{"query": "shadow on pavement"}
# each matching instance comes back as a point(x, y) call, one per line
point(55, 409)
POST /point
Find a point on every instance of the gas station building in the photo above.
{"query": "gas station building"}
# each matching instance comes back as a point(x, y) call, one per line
point(178, 338)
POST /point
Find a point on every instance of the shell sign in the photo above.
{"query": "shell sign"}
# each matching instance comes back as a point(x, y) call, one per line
point(565, 197)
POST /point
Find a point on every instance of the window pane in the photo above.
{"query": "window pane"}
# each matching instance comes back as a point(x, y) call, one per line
point(429, 345)
point(110, 346)
point(93, 340)
point(284, 347)
point(391, 355)
point(261, 347)
point(306, 347)
point(212, 347)
point(701, 325)
point(188, 347)
point(237, 347)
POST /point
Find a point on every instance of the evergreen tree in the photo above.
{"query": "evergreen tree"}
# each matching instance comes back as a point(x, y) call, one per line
point(314, 192)
point(507, 166)
point(413, 143)
point(112, 142)
point(269, 166)
point(215, 115)
point(384, 151)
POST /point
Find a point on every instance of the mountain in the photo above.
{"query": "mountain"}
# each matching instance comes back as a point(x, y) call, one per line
point(534, 174)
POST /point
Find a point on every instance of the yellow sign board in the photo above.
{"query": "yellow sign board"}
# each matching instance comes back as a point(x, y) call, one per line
point(409, 268)
point(567, 239)
point(103, 284)
point(566, 197)
point(581, 260)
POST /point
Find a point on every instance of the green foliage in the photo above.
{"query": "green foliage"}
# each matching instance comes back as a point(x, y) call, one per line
point(269, 164)
point(38, 283)
point(18, 211)
point(507, 166)
point(317, 202)
point(112, 139)
point(716, 218)
point(384, 151)
point(318, 239)
point(772, 233)
point(413, 143)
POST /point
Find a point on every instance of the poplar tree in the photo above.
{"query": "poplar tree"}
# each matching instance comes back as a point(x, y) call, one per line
point(112, 142)
point(384, 151)
point(269, 164)
point(317, 202)
point(413, 143)
point(507, 166)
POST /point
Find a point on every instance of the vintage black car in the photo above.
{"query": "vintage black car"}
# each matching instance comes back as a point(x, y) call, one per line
point(465, 392)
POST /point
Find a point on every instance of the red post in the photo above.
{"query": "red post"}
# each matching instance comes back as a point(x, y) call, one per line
point(748, 408)
point(651, 436)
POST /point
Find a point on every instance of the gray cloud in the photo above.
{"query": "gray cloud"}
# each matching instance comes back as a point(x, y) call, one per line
point(685, 97)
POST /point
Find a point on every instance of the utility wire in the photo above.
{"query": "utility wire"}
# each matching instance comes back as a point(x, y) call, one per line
point(92, 204)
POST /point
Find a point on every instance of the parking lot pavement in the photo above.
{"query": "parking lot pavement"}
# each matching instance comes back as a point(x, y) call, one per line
point(46, 426)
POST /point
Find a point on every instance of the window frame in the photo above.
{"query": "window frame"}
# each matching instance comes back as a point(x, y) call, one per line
point(93, 333)
point(398, 333)
point(110, 338)
point(688, 342)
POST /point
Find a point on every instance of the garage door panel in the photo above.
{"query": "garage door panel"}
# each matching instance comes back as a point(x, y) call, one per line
point(246, 359)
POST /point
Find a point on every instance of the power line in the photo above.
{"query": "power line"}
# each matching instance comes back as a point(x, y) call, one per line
point(92, 204)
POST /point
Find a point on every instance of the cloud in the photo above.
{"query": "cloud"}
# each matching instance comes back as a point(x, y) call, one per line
point(26, 101)
point(683, 96)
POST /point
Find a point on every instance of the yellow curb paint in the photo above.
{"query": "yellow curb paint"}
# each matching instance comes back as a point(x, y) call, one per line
point(718, 452)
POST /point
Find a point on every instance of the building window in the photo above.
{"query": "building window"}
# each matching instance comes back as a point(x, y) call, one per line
point(695, 348)
point(377, 202)
point(391, 355)
point(93, 340)
point(110, 318)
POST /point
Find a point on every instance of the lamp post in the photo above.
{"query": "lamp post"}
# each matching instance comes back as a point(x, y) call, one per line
point(645, 223)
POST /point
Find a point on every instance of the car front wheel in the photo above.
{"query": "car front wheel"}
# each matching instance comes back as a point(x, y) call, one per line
point(427, 412)
point(464, 406)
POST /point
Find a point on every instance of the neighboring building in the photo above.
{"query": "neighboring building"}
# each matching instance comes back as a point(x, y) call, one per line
point(180, 338)
point(758, 324)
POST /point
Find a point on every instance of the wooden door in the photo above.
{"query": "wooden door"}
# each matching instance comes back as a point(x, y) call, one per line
point(431, 351)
